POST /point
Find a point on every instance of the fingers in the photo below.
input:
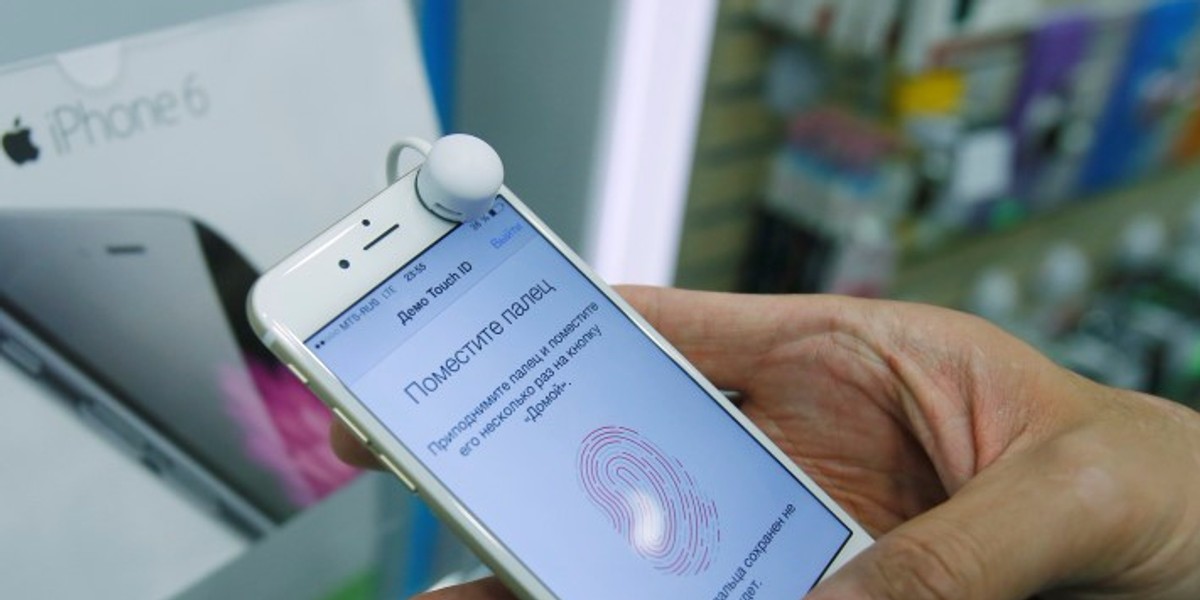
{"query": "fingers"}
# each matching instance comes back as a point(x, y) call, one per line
point(347, 447)
point(724, 334)
point(489, 588)
point(1021, 527)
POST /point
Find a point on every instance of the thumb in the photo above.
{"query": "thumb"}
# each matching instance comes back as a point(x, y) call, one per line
point(1022, 525)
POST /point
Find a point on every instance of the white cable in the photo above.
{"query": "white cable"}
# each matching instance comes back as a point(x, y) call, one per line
point(393, 156)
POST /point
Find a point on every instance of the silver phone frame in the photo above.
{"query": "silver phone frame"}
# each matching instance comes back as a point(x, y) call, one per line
point(308, 290)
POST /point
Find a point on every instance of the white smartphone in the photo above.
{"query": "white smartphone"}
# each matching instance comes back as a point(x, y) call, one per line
point(566, 442)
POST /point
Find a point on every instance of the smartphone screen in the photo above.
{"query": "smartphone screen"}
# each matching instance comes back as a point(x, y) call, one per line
point(570, 435)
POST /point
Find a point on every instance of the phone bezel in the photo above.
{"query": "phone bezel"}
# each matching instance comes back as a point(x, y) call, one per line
point(308, 290)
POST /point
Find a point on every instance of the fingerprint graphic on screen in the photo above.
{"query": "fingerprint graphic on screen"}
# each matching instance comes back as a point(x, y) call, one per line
point(650, 499)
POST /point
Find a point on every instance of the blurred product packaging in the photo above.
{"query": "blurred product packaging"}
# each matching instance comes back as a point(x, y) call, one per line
point(143, 184)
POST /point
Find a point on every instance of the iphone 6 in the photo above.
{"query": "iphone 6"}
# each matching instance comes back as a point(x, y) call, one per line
point(93, 305)
point(566, 442)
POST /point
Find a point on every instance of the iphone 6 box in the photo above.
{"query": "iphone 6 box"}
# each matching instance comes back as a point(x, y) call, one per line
point(144, 182)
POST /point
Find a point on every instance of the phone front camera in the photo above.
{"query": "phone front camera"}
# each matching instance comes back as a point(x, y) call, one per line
point(345, 264)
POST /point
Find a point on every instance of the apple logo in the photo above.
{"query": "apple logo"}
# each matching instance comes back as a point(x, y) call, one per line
point(18, 145)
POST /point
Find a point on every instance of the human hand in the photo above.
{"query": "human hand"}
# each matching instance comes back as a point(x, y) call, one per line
point(986, 470)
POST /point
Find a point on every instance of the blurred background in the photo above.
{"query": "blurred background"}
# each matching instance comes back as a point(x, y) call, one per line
point(1030, 161)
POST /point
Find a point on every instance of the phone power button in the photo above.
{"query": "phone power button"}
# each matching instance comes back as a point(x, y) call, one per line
point(298, 373)
point(352, 427)
point(387, 462)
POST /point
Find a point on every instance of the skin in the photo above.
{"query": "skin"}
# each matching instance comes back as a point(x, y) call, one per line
point(983, 469)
